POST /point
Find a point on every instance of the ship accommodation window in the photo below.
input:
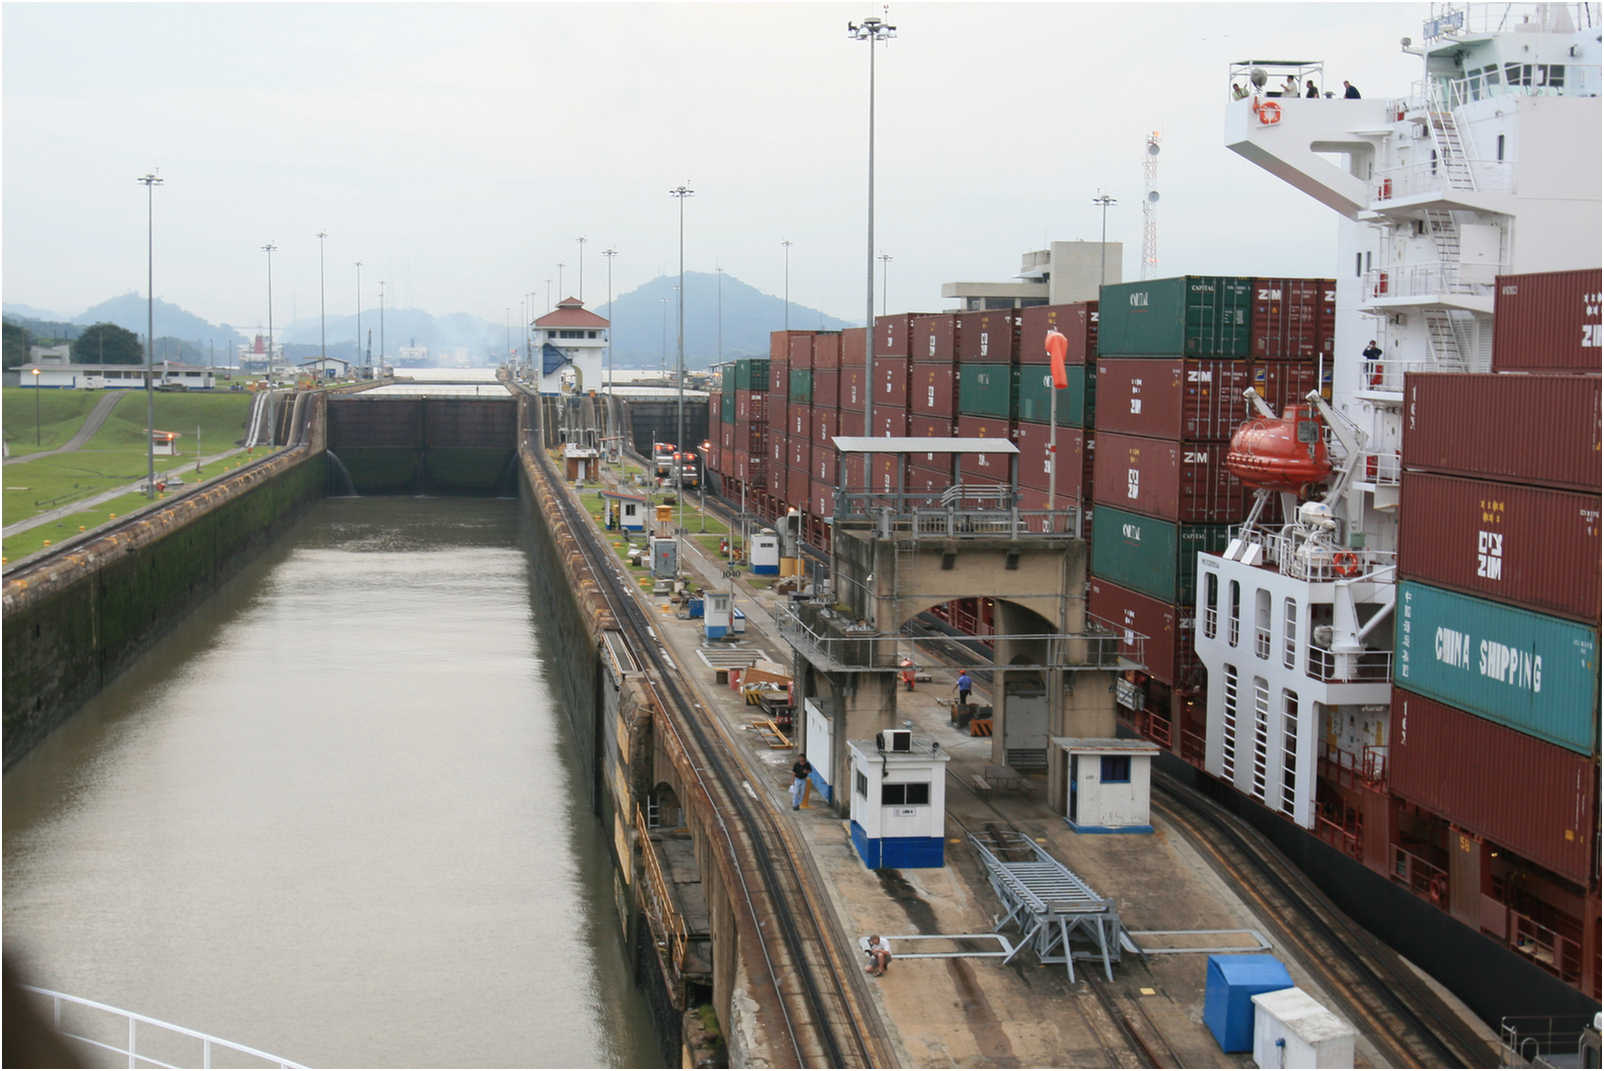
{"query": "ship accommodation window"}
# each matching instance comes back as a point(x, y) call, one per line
point(1115, 769)
point(1289, 634)
point(1211, 600)
point(1261, 623)
point(1289, 750)
point(1490, 72)
point(1228, 725)
point(1233, 620)
point(1556, 75)
point(1261, 734)
point(1500, 147)
point(1434, 161)
point(1358, 265)
point(1367, 259)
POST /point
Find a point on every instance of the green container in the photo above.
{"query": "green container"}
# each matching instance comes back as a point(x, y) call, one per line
point(727, 407)
point(752, 373)
point(1534, 673)
point(987, 390)
point(1157, 558)
point(1191, 316)
point(801, 387)
point(1076, 402)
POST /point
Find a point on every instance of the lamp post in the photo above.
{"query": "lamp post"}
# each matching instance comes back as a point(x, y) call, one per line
point(381, 324)
point(581, 268)
point(787, 243)
point(270, 249)
point(718, 274)
point(509, 329)
point(322, 326)
point(871, 30)
point(885, 270)
point(36, 407)
point(662, 340)
point(359, 317)
point(151, 181)
point(559, 280)
point(1104, 200)
point(609, 253)
point(679, 193)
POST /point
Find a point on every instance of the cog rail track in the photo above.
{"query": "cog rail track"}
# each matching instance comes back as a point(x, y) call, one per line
point(824, 1015)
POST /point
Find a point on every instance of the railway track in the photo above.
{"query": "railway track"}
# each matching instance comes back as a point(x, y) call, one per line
point(825, 1017)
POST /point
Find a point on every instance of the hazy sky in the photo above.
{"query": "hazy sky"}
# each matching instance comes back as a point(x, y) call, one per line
point(458, 150)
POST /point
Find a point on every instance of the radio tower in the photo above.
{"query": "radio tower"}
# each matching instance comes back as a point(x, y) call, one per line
point(1150, 207)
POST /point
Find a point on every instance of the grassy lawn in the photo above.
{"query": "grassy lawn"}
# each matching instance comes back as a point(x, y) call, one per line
point(61, 414)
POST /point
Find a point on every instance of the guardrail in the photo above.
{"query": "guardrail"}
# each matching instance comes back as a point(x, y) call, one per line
point(672, 921)
point(1426, 280)
point(1490, 176)
point(1318, 563)
point(961, 511)
point(1388, 375)
point(133, 1020)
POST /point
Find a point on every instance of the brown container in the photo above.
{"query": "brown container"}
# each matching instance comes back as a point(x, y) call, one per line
point(1173, 398)
point(1293, 319)
point(779, 449)
point(1535, 429)
point(1033, 500)
point(1078, 322)
point(888, 422)
point(1185, 482)
point(891, 382)
point(826, 351)
point(751, 407)
point(849, 423)
point(726, 434)
point(821, 498)
point(1530, 546)
point(920, 427)
point(1547, 322)
point(984, 468)
point(888, 470)
point(1284, 383)
point(780, 343)
point(826, 386)
point(851, 393)
point(1167, 651)
point(779, 380)
point(1534, 798)
point(1073, 459)
point(935, 338)
point(801, 349)
point(796, 487)
point(928, 480)
point(893, 334)
point(854, 341)
point(799, 452)
point(991, 335)
point(933, 389)
point(799, 422)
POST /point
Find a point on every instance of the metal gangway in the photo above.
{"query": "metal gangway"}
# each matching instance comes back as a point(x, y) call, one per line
point(1061, 917)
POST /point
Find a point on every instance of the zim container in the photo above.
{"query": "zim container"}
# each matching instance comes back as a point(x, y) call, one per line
point(1467, 770)
point(935, 337)
point(1532, 546)
point(1531, 672)
point(888, 422)
point(933, 389)
point(984, 468)
point(1174, 481)
point(1076, 402)
point(779, 380)
point(1153, 556)
point(1077, 321)
point(1170, 398)
point(990, 335)
point(1167, 650)
point(851, 392)
point(929, 428)
point(799, 422)
point(891, 381)
point(892, 335)
point(1537, 429)
point(1074, 459)
point(799, 452)
point(1293, 319)
point(827, 349)
point(1547, 322)
point(825, 429)
point(1284, 383)
point(987, 390)
point(1189, 316)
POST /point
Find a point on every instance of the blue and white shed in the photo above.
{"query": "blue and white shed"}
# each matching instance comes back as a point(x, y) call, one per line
point(716, 614)
point(1110, 783)
point(631, 510)
point(766, 552)
point(899, 800)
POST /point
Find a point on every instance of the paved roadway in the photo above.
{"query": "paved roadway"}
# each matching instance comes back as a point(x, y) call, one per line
point(81, 504)
point(97, 416)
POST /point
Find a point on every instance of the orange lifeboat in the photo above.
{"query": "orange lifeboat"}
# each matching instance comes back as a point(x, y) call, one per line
point(1280, 454)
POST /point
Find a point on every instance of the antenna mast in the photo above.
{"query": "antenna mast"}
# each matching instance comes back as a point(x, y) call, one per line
point(1150, 207)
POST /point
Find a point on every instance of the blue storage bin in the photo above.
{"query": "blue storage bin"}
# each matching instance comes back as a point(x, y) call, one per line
point(1228, 996)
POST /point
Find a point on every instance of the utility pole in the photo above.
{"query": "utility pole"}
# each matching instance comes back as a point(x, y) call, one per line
point(609, 253)
point(871, 30)
point(679, 193)
point(151, 181)
point(322, 327)
point(787, 243)
point(270, 249)
point(885, 270)
point(381, 323)
point(1102, 267)
point(358, 355)
point(581, 269)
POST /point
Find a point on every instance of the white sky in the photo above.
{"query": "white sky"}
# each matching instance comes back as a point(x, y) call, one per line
point(458, 150)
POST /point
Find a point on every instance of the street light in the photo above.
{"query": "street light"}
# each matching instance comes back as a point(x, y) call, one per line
point(679, 193)
point(718, 274)
point(662, 341)
point(381, 324)
point(36, 407)
point(360, 362)
point(1102, 265)
point(787, 243)
point(322, 332)
point(871, 30)
point(581, 268)
point(559, 281)
point(609, 253)
point(885, 261)
point(270, 249)
point(150, 181)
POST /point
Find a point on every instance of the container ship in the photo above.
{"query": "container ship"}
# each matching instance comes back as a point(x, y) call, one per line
point(1351, 524)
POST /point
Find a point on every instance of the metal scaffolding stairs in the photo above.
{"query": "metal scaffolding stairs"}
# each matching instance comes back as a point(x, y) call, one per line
point(1444, 340)
point(1450, 148)
point(1060, 916)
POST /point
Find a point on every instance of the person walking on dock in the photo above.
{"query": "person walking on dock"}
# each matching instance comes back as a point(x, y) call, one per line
point(800, 769)
point(964, 685)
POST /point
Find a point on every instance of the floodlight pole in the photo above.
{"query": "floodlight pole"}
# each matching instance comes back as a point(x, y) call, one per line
point(1104, 200)
point(871, 30)
point(679, 193)
point(150, 181)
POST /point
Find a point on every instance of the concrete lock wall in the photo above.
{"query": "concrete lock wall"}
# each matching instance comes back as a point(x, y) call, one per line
point(426, 445)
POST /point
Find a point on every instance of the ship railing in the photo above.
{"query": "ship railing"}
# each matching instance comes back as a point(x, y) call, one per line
point(1483, 18)
point(1302, 72)
point(1193, 747)
point(1339, 837)
point(1426, 280)
point(1383, 468)
point(1319, 564)
point(1550, 949)
point(661, 902)
point(1419, 875)
point(1368, 770)
point(1387, 375)
point(1427, 176)
point(168, 1037)
point(1548, 1041)
point(1334, 667)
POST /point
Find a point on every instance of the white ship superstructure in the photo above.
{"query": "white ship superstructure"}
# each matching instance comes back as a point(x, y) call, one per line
point(1488, 165)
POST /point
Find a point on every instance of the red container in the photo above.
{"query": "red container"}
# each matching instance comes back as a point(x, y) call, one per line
point(750, 469)
point(854, 343)
point(826, 387)
point(780, 343)
point(1167, 651)
point(779, 379)
point(1078, 322)
point(779, 450)
point(799, 422)
point(922, 480)
point(1034, 500)
point(983, 468)
point(889, 422)
point(930, 428)
point(1530, 546)
point(826, 352)
point(826, 466)
point(1293, 319)
point(751, 407)
point(826, 427)
point(935, 337)
point(799, 452)
point(891, 381)
point(1073, 461)
point(801, 353)
point(726, 434)
point(1284, 383)
point(715, 454)
point(1526, 429)
point(852, 393)
point(1548, 322)
point(796, 487)
point(933, 389)
point(991, 335)
point(821, 498)
point(1185, 482)
point(892, 335)
point(888, 470)
point(753, 438)
point(1466, 769)
point(1173, 398)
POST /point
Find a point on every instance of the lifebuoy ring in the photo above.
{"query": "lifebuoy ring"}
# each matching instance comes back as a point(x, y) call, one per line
point(1345, 563)
point(1269, 113)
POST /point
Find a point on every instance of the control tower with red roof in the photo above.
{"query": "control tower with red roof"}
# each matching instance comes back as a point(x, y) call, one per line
point(569, 344)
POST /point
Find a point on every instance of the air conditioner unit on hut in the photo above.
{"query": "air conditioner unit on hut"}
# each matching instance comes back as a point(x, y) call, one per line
point(895, 740)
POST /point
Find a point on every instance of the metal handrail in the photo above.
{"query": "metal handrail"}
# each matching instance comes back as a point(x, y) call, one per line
point(1427, 176)
point(1387, 375)
point(673, 922)
point(1319, 564)
point(1333, 667)
point(134, 1056)
point(1424, 280)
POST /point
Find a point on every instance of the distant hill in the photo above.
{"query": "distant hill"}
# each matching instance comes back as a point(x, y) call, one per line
point(129, 310)
point(483, 340)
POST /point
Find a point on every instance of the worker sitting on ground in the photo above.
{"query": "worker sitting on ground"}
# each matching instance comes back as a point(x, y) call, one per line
point(879, 952)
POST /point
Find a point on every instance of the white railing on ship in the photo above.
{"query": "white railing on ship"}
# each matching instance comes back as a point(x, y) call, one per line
point(1425, 176)
point(1426, 280)
point(1321, 565)
point(134, 1057)
point(1388, 375)
point(1327, 665)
